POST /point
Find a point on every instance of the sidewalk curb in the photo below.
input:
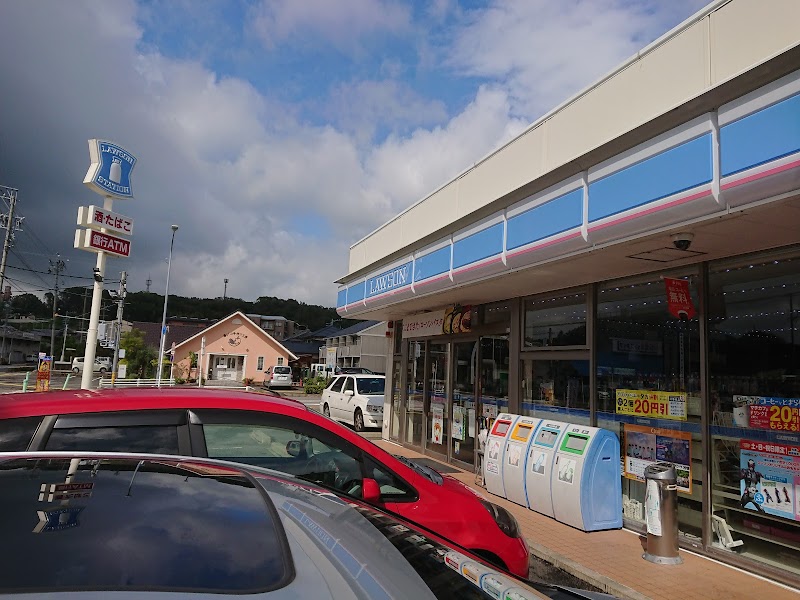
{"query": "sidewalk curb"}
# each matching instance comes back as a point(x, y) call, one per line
point(593, 578)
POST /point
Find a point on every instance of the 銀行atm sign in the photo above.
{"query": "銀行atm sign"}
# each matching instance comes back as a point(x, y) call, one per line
point(95, 241)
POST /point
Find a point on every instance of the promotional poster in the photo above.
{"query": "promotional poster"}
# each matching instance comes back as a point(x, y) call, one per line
point(647, 445)
point(769, 478)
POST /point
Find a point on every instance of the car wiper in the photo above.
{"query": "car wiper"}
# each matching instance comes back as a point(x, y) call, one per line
point(423, 470)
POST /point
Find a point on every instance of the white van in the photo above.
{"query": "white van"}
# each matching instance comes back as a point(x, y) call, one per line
point(322, 370)
point(102, 367)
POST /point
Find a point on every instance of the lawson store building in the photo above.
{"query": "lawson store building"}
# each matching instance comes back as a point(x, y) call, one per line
point(631, 261)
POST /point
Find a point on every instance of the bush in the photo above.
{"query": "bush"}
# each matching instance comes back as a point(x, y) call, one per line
point(248, 381)
point(314, 385)
point(179, 381)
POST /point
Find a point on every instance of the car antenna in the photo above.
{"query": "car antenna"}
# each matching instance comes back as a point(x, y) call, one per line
point(136, 470)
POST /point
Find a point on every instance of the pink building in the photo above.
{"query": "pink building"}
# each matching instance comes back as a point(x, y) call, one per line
point(232, 349)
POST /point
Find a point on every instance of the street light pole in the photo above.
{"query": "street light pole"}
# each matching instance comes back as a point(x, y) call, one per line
point(164, 316)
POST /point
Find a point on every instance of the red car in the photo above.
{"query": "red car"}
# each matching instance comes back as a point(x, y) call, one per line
point(266, 431)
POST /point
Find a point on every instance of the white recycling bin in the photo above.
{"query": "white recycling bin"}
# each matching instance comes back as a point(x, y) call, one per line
point(539, 465)
point(495, 451)
point(516, 455)
point(586, 480)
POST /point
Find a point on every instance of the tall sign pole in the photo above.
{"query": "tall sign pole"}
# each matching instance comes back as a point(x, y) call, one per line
point(109, 175)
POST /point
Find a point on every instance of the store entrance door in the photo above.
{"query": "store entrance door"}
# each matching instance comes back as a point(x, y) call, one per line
point(437, 408)
point(464, 405)
point(395, 419)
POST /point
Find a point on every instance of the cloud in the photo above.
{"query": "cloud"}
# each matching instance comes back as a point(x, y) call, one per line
point(544, 52)
point(341, 24)
point(270, 193)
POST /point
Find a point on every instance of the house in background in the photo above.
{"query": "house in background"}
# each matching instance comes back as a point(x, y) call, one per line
point(232, 349)
point(179, 329)
point(361, 345)
point(278, 327)
point(306, 345)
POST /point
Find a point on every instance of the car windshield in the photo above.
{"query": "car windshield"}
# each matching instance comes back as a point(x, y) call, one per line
point(282, 370)
point(370, 385)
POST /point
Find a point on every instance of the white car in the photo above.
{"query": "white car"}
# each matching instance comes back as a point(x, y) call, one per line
point(102, 367)
point(279, 376)
point(355, 399)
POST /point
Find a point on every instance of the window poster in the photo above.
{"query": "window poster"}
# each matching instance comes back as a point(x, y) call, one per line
point(647, 445)
point(760, 412)
point(437, 423)
point(649, 403)
point(769, 478)
point(457, 430)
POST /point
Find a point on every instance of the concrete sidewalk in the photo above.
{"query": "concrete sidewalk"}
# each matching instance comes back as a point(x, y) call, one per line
point(612, 560)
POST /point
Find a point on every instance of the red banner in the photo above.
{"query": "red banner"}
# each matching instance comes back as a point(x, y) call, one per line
point(679, 300)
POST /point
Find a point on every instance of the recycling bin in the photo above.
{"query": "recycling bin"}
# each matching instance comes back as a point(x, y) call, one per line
point(661, 514)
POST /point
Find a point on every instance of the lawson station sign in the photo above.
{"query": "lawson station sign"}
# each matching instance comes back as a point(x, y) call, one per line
point(110, 170)
point(109, 175)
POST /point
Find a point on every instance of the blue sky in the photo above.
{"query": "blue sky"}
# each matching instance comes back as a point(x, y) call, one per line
point(277, 133)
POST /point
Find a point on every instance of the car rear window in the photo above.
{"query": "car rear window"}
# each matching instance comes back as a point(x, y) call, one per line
point(121, 524)
point(152, 439)
point(282, 370)
point(15, 434)
point(370, 385)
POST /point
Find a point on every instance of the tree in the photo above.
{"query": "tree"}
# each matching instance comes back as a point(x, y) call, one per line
point(29, 304)
point(138, 356)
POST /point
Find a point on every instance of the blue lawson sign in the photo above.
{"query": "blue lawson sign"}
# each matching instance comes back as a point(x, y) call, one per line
point(110, 171)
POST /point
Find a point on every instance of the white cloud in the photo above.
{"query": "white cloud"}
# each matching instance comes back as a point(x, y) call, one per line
point(545, 51)
point(263, 197)
point(342, 23)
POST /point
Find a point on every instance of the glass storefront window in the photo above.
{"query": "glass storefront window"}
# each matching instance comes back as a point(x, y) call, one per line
point(438, 418)
point(556, 388)
point(754, 371)
point(465, 355)
point(648, 390)
point(555, 321)
point(494, 375)
point(415, 381)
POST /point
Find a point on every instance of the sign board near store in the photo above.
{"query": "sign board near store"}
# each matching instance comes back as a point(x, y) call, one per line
point(423, 325)
point(110, 170)
point(43, 374)
point(94, 241)
point(95, 217)
point(653, 404)
point(330, 356)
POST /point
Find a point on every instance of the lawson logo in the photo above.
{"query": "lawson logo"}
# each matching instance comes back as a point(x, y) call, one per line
point(388, 281)
point(110, 170)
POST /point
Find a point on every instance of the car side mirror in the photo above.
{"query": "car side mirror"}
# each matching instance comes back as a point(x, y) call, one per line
point(370, 491)
point(349, 392)
point(294, 448)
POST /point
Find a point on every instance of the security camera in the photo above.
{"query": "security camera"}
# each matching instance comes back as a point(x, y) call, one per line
point(682, 241)
point(97, 276)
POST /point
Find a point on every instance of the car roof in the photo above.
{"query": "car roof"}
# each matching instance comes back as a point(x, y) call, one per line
point(176, 524)
point(29, 404)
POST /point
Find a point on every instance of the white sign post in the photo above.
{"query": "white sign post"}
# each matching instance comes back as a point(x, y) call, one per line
point(109, 175)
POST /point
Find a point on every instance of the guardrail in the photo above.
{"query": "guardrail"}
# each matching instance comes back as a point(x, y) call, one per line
point(107, 383)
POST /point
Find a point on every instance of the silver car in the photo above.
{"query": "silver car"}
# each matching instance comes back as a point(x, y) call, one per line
point(83, 525)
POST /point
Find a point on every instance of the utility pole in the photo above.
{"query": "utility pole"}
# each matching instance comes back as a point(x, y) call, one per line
point(123, 291)
point(55, 269)
point(64, 342)
point(7, 221)
point(225, 293)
